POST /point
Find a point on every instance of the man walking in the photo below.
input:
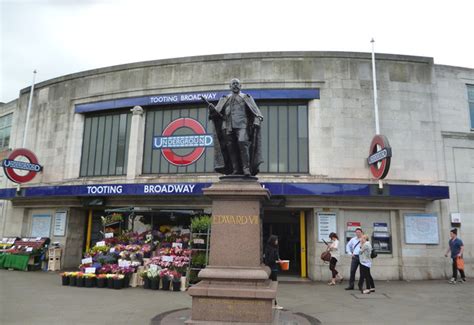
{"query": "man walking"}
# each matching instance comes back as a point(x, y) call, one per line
point(353, 248)
point(456, 246)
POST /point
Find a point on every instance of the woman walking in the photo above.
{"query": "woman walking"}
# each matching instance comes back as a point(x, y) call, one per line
point(365, 265)
point(271, 258)
point(333, 248)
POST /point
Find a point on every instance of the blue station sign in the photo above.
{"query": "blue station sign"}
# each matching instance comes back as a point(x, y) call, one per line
point(194, 97)
point(425, 192)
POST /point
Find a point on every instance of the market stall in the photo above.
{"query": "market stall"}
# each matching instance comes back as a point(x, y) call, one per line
point(25, 254)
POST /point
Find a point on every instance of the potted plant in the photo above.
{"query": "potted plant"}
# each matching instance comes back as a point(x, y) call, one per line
point(154, 277)
point(165, 279)
point(80, 279)
point(101, 281)
point(127, 273)
point(176, 280)
point(89, 280)
point(110, 281)
point(73, 279)
point(65, 278)
point(118, 281)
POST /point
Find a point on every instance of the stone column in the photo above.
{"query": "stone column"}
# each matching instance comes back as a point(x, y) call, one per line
point(135, 148)
point(235, 286)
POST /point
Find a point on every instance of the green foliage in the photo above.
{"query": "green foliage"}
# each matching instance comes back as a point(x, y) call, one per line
point(201, 224)
point(199, 259)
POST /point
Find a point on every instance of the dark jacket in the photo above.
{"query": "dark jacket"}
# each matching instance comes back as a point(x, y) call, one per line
point(271, 255)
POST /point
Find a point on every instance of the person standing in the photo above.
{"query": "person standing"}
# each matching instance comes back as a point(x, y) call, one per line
point(353, 248)
point(333, 248)
point(365, 265)
point(271, 258)
point(456, 246)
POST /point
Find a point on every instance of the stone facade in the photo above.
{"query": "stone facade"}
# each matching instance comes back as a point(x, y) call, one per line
point(423, 111)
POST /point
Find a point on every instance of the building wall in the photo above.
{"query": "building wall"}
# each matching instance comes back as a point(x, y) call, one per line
point(423, 111)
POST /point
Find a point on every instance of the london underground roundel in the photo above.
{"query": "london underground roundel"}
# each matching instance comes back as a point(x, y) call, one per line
point(12, 166)
point(380, 154)
point(183, 133)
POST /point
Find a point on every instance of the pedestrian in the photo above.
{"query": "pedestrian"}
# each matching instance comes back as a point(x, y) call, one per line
point(353, 248)
point(456, 246)
point(333, 247)
point(271, 258)
point(365, 265)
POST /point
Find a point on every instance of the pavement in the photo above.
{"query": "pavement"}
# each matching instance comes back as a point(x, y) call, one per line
point(39, 298)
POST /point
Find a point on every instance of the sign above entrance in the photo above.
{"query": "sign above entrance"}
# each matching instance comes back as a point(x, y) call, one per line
point(190, 98)
point(12, 166)
point(380, 154)
point(424, 192)
point(168, 141)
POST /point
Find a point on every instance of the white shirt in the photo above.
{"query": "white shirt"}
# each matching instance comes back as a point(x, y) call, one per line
point(351, 246)
point(334, 249)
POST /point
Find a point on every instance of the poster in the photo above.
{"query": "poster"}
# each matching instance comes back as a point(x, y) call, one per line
point(41, 225)
point(326, 225)
point(60, 223)
point(421, 228)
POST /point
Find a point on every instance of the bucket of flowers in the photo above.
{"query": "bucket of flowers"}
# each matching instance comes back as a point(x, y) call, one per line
point(176, 280)
point(127, 272)
point(165, 276)
point(89, 280)
point(65, 278)
point(101, 281)
point(110, 280)
point(73, 279)
point(118, 281)
point(80, 279)
point(146, 281)
point(153, 275)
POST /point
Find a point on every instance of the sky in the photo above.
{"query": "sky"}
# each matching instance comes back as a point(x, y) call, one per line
point(59, 37)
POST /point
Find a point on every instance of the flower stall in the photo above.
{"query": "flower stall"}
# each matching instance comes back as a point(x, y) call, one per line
point(154, 259)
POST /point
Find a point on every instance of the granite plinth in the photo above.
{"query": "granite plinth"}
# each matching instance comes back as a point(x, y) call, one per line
point(235, 286)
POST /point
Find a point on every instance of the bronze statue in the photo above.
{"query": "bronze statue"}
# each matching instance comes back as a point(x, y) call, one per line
point(237, 139)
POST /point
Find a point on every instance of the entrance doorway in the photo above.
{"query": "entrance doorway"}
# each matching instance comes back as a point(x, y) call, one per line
point(286, 226)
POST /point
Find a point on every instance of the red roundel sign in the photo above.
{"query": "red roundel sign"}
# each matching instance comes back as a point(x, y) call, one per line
point(183, 133)
point(12, 166)
point(380, 154)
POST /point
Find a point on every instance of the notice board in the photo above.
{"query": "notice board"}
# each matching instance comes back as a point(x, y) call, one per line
point(41, 225)
point(326, 225)
point(421, 228)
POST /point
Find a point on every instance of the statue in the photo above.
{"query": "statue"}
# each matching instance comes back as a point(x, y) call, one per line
point(237, 140)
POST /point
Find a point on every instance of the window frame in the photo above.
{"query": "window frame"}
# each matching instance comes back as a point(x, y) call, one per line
point(2, 128)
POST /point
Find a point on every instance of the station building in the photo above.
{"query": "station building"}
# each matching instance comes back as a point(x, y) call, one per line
point(135, 137)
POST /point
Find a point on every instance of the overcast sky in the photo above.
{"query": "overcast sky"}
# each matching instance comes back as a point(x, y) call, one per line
point(59, 37)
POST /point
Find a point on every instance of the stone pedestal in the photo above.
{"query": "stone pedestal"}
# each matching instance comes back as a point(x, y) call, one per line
point(235, 286)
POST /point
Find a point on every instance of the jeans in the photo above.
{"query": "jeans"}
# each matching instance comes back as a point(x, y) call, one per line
point(354, 265)
point(455, 270)
point(332, 267)
point(367, 277)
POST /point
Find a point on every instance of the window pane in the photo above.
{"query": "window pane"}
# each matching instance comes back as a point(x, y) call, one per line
point(100, 146)
point(105, 144)
point(107, 140)
point(471, 108)
point(114, 144)
point(303, 138)
point(92, 146)
point(470, 92)
point(293, 138)
point(282, 139)
point(121, 145)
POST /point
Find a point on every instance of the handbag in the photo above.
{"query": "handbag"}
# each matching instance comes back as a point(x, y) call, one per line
point(373, 254)
point(326, 256)
point(460, 263)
